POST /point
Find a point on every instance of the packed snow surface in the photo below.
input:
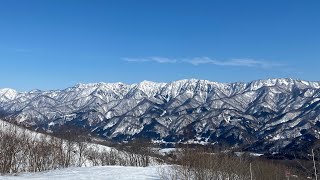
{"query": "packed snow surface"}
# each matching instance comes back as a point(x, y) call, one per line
point(96, 173)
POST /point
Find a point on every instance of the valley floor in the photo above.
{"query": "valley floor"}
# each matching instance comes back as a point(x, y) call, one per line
point(96, 173)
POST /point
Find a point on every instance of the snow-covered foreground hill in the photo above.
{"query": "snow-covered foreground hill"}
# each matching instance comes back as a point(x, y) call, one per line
point(96, 173)
point(22, 150)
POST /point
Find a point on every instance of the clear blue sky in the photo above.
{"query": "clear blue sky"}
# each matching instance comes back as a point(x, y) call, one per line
point(54, 44)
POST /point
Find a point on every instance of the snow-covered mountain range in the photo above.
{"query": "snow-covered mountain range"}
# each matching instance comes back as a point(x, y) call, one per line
point(265, 114)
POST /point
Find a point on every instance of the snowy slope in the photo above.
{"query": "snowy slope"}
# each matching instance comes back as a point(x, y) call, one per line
point(94, 173)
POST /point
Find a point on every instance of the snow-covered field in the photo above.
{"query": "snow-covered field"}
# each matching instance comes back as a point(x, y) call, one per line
point(96, 173)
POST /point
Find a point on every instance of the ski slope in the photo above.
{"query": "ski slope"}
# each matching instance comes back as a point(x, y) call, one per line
point(94, 173)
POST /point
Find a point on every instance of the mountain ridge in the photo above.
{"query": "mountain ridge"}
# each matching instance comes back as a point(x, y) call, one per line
point(316, 84)
point(275, 112)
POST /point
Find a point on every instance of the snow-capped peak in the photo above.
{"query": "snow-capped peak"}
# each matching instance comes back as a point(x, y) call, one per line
point(149, 87)
point(7, 94)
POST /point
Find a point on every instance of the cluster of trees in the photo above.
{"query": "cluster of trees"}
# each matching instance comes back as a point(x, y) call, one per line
point(24, 151)
point(201, 164)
